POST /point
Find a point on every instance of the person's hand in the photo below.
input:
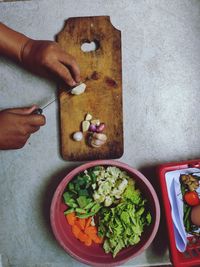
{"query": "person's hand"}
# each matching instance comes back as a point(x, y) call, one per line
point(47, 58)
point(16, 126)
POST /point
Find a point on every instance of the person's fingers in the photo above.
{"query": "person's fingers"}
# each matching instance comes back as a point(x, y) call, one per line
point(35, 120)
point(32, 129)
point(60, 70)
point(23, 111)
point(71, 63)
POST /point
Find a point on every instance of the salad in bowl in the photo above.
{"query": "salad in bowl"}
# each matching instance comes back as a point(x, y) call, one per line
point(104, 213)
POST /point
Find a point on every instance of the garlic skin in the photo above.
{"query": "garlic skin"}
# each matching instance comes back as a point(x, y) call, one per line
point(79, 89)
point(77, 136)
point(100, 136)
point(98, 139)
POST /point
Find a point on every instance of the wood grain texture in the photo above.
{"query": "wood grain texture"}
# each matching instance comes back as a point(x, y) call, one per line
point(102, 73)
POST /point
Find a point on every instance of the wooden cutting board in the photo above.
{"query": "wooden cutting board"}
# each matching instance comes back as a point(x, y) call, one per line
point(101, 71)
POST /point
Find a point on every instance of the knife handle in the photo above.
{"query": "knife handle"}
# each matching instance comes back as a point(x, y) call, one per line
point(37, 111)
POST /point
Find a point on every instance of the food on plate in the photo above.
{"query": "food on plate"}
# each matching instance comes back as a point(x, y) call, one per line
point(191, 181)
point(78, 136)
point(191, 198)
point(79, 89)
point(189, 187)
point(195, 215)
point(105, 206)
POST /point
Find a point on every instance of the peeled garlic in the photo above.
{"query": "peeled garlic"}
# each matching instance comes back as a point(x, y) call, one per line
point(96, 122)
point(77, 136)
point(88, 117)
point(85, 126)
point(79, 89)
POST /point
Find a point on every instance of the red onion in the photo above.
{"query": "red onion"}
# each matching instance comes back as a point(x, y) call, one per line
point(92, 128)
point(100, 128)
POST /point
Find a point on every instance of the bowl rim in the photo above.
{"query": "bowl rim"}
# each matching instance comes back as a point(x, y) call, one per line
point(126, 167)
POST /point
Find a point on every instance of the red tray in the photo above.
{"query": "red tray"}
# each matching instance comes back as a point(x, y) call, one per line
point(191, 257)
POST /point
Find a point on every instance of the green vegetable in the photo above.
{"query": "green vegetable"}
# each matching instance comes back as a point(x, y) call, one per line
point(110, 185)
point(86, 215)
point(123, 225)
point(131, 193)
point(189, 226)
point(96, 208)
point(79, 192)
point(110, 192)
point(68, 211)
point(82, 211)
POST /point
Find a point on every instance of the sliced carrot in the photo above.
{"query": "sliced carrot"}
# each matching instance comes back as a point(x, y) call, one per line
point(92, 236)
point(76, 230)
point(91, 230)
point(88, 222)
point(81, 223)
point(88, 241)
point(82, 229)
point(71, 218)
point(82, 236)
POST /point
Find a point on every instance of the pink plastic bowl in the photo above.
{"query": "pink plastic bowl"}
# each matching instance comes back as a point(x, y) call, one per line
point(95, 254)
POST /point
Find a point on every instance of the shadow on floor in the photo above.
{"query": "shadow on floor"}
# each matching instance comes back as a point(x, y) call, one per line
point(49, 190)
point(160, 244)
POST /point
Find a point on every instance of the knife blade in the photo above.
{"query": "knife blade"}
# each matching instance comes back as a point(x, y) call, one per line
point(39, 111)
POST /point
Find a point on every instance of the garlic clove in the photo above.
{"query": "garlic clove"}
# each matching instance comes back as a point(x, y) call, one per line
point(88, 117)
point(79, 89)
point(93, 143)
point(100, 136)
point(98, 142)
point(85, 126)
point(78, 136)
point(96, 122)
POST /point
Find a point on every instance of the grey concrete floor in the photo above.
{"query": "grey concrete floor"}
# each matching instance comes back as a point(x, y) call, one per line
point(161, 92)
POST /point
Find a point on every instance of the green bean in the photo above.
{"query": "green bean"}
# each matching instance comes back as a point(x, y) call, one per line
point(186, 214)
point(79, 210)
point(96, 208)
point(86, 215)
point(90, 205)
point(68, 211)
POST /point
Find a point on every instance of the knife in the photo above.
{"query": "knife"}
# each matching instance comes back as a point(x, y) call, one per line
point(39, 111)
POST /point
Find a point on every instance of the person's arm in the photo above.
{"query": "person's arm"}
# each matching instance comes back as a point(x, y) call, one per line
point(11, 43)
point(16, 126)
point(42, 57)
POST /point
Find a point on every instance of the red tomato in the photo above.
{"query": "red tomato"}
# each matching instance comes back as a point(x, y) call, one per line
point(192, 198)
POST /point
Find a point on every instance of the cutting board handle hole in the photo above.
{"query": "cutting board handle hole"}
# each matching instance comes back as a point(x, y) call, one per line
point(88, 46)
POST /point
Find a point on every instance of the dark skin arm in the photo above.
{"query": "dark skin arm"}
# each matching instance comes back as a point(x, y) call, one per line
point(45, 58)
point(17, 124)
